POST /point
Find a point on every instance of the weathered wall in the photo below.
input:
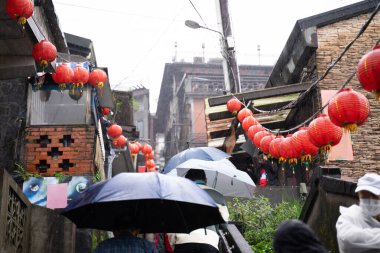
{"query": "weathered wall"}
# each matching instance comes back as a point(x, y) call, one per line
point(323, 212)
point(331, 41)
point(13, 94)
point(50, 232)
point(30, 228)
point(15, 210)
point(58, 147)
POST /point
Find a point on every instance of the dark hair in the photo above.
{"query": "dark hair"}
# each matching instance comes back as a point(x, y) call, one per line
point(296, 236)
point(195, 174)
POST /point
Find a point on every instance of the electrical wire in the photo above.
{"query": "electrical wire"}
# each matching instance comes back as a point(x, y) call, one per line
point(316, 113)
point(197, 12)
point(294, 103)
point(150, 49)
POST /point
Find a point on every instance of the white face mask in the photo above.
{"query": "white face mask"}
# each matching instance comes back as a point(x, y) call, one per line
point(370, 206)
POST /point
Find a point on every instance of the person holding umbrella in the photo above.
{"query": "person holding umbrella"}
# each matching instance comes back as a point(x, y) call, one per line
point(126, 241)
point(149, 202)
point(204, 240)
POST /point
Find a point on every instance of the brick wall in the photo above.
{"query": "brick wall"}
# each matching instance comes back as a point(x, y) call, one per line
point(331, 41)
point(60, 149)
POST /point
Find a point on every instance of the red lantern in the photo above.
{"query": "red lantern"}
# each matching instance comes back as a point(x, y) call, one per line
point(248, 122)
point(44, 52)
point(287, 151)
point(120, 142)
point(253, 130)
point(134, 148)
point(303, 145)
point(97, 78)
point(105, 111)
point(369, 71)
point(149, 156)
point(274, 146)
point(146, 149)
point(80, 76)
point(323, 133)
point(139, 145)
point(63, 75)
point(349, 109)
point(265, 142)
point(150, 164)
point(259, 136)
point(243, 113)
point(234, 105)
point(20, 10)
point(114, 131)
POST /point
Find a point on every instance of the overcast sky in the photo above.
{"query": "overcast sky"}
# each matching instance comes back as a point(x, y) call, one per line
point(135, 39)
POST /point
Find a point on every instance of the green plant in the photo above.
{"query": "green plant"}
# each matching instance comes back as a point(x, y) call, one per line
point(97, 176)
point(260, 219)
point(25, 175)
point(97, 237)
point(134, 104)
point(60, 176)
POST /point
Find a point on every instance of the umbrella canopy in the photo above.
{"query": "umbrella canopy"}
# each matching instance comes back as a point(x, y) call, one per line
point(201, 153)
point(221, 175)
point(152, 202)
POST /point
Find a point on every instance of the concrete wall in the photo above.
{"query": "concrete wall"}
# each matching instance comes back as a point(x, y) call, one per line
point(28, 228)
point(321, 209)
point(331, 41)
point(50, 232)
point(13, 94)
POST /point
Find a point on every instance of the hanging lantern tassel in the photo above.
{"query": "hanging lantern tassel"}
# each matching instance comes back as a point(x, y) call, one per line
point(281, 160)
point(307, 170)
point(62, 87)
point(353, 128)
point(306, 158)
point(292, 161)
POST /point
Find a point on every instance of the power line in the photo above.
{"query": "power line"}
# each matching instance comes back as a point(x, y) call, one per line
point(294, 103)
point(198, 13)
point(150, 49)
point(109, 11)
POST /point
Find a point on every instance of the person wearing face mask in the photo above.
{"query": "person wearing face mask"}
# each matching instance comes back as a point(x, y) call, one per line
point(358, 227)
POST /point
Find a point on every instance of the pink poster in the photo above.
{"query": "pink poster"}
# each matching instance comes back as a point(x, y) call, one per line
point(56, 196)
point(342, 151)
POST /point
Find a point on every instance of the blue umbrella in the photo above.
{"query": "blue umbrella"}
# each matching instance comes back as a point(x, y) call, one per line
point(151, 201)
point(201, 153)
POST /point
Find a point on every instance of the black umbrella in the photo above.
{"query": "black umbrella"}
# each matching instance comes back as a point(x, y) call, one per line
point(152, 202)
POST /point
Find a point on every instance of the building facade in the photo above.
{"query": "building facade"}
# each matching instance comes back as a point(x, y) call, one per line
point(181, 121)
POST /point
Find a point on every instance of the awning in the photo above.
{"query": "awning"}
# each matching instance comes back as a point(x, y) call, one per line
point(219, 119)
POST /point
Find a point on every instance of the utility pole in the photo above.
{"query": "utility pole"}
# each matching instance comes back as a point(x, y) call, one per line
point(230, 67)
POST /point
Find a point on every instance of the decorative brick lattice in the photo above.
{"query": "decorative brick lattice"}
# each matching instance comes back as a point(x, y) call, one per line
point(60, 149)
point(54, 153)
point(66, 140)
point(42, 166)
point(44, 141)
point(16, 216)
point(66, 164)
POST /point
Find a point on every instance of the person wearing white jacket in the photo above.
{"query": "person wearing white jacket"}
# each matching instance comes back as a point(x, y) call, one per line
point(203, 240)
point(358, 227)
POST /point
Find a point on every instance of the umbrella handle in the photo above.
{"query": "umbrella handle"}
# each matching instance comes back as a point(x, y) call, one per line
point(215, 180)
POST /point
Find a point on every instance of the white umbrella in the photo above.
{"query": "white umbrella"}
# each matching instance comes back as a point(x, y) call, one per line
point(221, 175)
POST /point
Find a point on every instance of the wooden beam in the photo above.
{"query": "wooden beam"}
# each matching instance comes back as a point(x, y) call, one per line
point(257, 94)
